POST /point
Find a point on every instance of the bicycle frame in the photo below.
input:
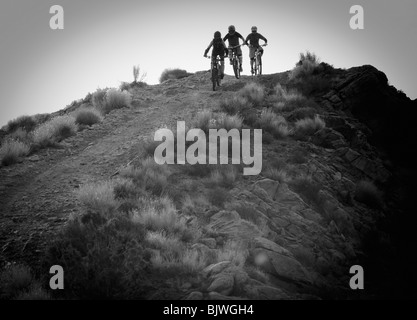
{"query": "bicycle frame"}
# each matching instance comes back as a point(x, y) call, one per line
point(215, 71)
point(235, 60)
point(257, 61)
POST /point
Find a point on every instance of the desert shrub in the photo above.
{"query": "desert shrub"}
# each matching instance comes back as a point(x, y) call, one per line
point(148, 176)
point(102, 261)
point(98, 98)
point(87, 116)
point(11, 150)
point(218, 196)
point(99, 197)
point(159, 215)
point(173, 74)
point(288, 100)
point(309, 56)
point(137, 75)
point(116, 99)
point(54, 130)
point(125, 189)
point(192, 205)
point(14, 279)
point(107, 100)
point(253, 92)
point(26, 123)
point(308, 126)
point(41, 118)
point(278, 175)
point(203, 120)
point(224, 176)
point(124, 86)
point(311, 76)
point(274, 124)
point(367, 193)
point(163, 241)
point(305, 66)
point(309, 190)
point(224, 121)
point(235, 105)
point(21, 135)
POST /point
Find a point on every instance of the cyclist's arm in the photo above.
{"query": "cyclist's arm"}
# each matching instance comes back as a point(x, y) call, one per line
point(240, 36)
point(208, 48)
point(226, 50)
point(247, 39)
point(263, 38)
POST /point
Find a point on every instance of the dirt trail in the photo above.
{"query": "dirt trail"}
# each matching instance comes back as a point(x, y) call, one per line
point(37, 195)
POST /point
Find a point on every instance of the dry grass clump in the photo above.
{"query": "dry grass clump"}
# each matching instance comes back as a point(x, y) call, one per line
point(11, 150)
point(107, 100)
point(54, 130)
point(273, 123)
point(87, 116)
point(253, 92)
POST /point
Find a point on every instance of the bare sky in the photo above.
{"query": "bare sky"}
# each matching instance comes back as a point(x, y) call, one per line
point(43, 70)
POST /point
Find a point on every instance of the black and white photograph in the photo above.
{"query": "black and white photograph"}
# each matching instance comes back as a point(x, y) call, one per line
point(208, 155)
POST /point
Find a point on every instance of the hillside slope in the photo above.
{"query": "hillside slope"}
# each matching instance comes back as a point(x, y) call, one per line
point(292, 233)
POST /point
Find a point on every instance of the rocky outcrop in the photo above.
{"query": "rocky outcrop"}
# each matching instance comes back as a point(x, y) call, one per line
point(364, 93)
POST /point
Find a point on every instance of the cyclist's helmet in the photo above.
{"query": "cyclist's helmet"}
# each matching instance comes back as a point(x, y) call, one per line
point(254, 29)
point(217, 35)
point(232, 29)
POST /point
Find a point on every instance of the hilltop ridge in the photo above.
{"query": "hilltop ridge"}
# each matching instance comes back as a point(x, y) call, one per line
point(325, 198)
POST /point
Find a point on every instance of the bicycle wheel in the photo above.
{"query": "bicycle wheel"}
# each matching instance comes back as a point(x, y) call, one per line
point(236, 69)
point(214, 78)
point(255, 68)
point(260, 65)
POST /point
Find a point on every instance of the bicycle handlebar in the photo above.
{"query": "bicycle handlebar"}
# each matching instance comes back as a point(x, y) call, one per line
point(262, 45)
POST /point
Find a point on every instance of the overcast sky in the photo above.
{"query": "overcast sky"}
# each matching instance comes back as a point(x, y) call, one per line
point(43, 70)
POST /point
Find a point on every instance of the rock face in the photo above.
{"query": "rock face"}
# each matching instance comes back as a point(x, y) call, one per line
point(278, 261)
point(364, 93)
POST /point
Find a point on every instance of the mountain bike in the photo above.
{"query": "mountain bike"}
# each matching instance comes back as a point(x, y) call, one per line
point(215, 72)
point(257, 62)
point(235, 61)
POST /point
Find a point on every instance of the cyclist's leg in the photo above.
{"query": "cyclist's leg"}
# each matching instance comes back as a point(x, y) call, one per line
point(261, 52)
point(239, 54)
point(221, 66)
point(230, 55)
point(251, 57)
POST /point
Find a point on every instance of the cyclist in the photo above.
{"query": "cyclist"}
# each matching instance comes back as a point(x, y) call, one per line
point(253, 39)
point(219, 49)
point(233, 37)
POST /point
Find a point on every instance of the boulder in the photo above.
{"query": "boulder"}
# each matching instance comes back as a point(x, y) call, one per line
point(231, 225)
point(216, 268)
point(223, 283)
